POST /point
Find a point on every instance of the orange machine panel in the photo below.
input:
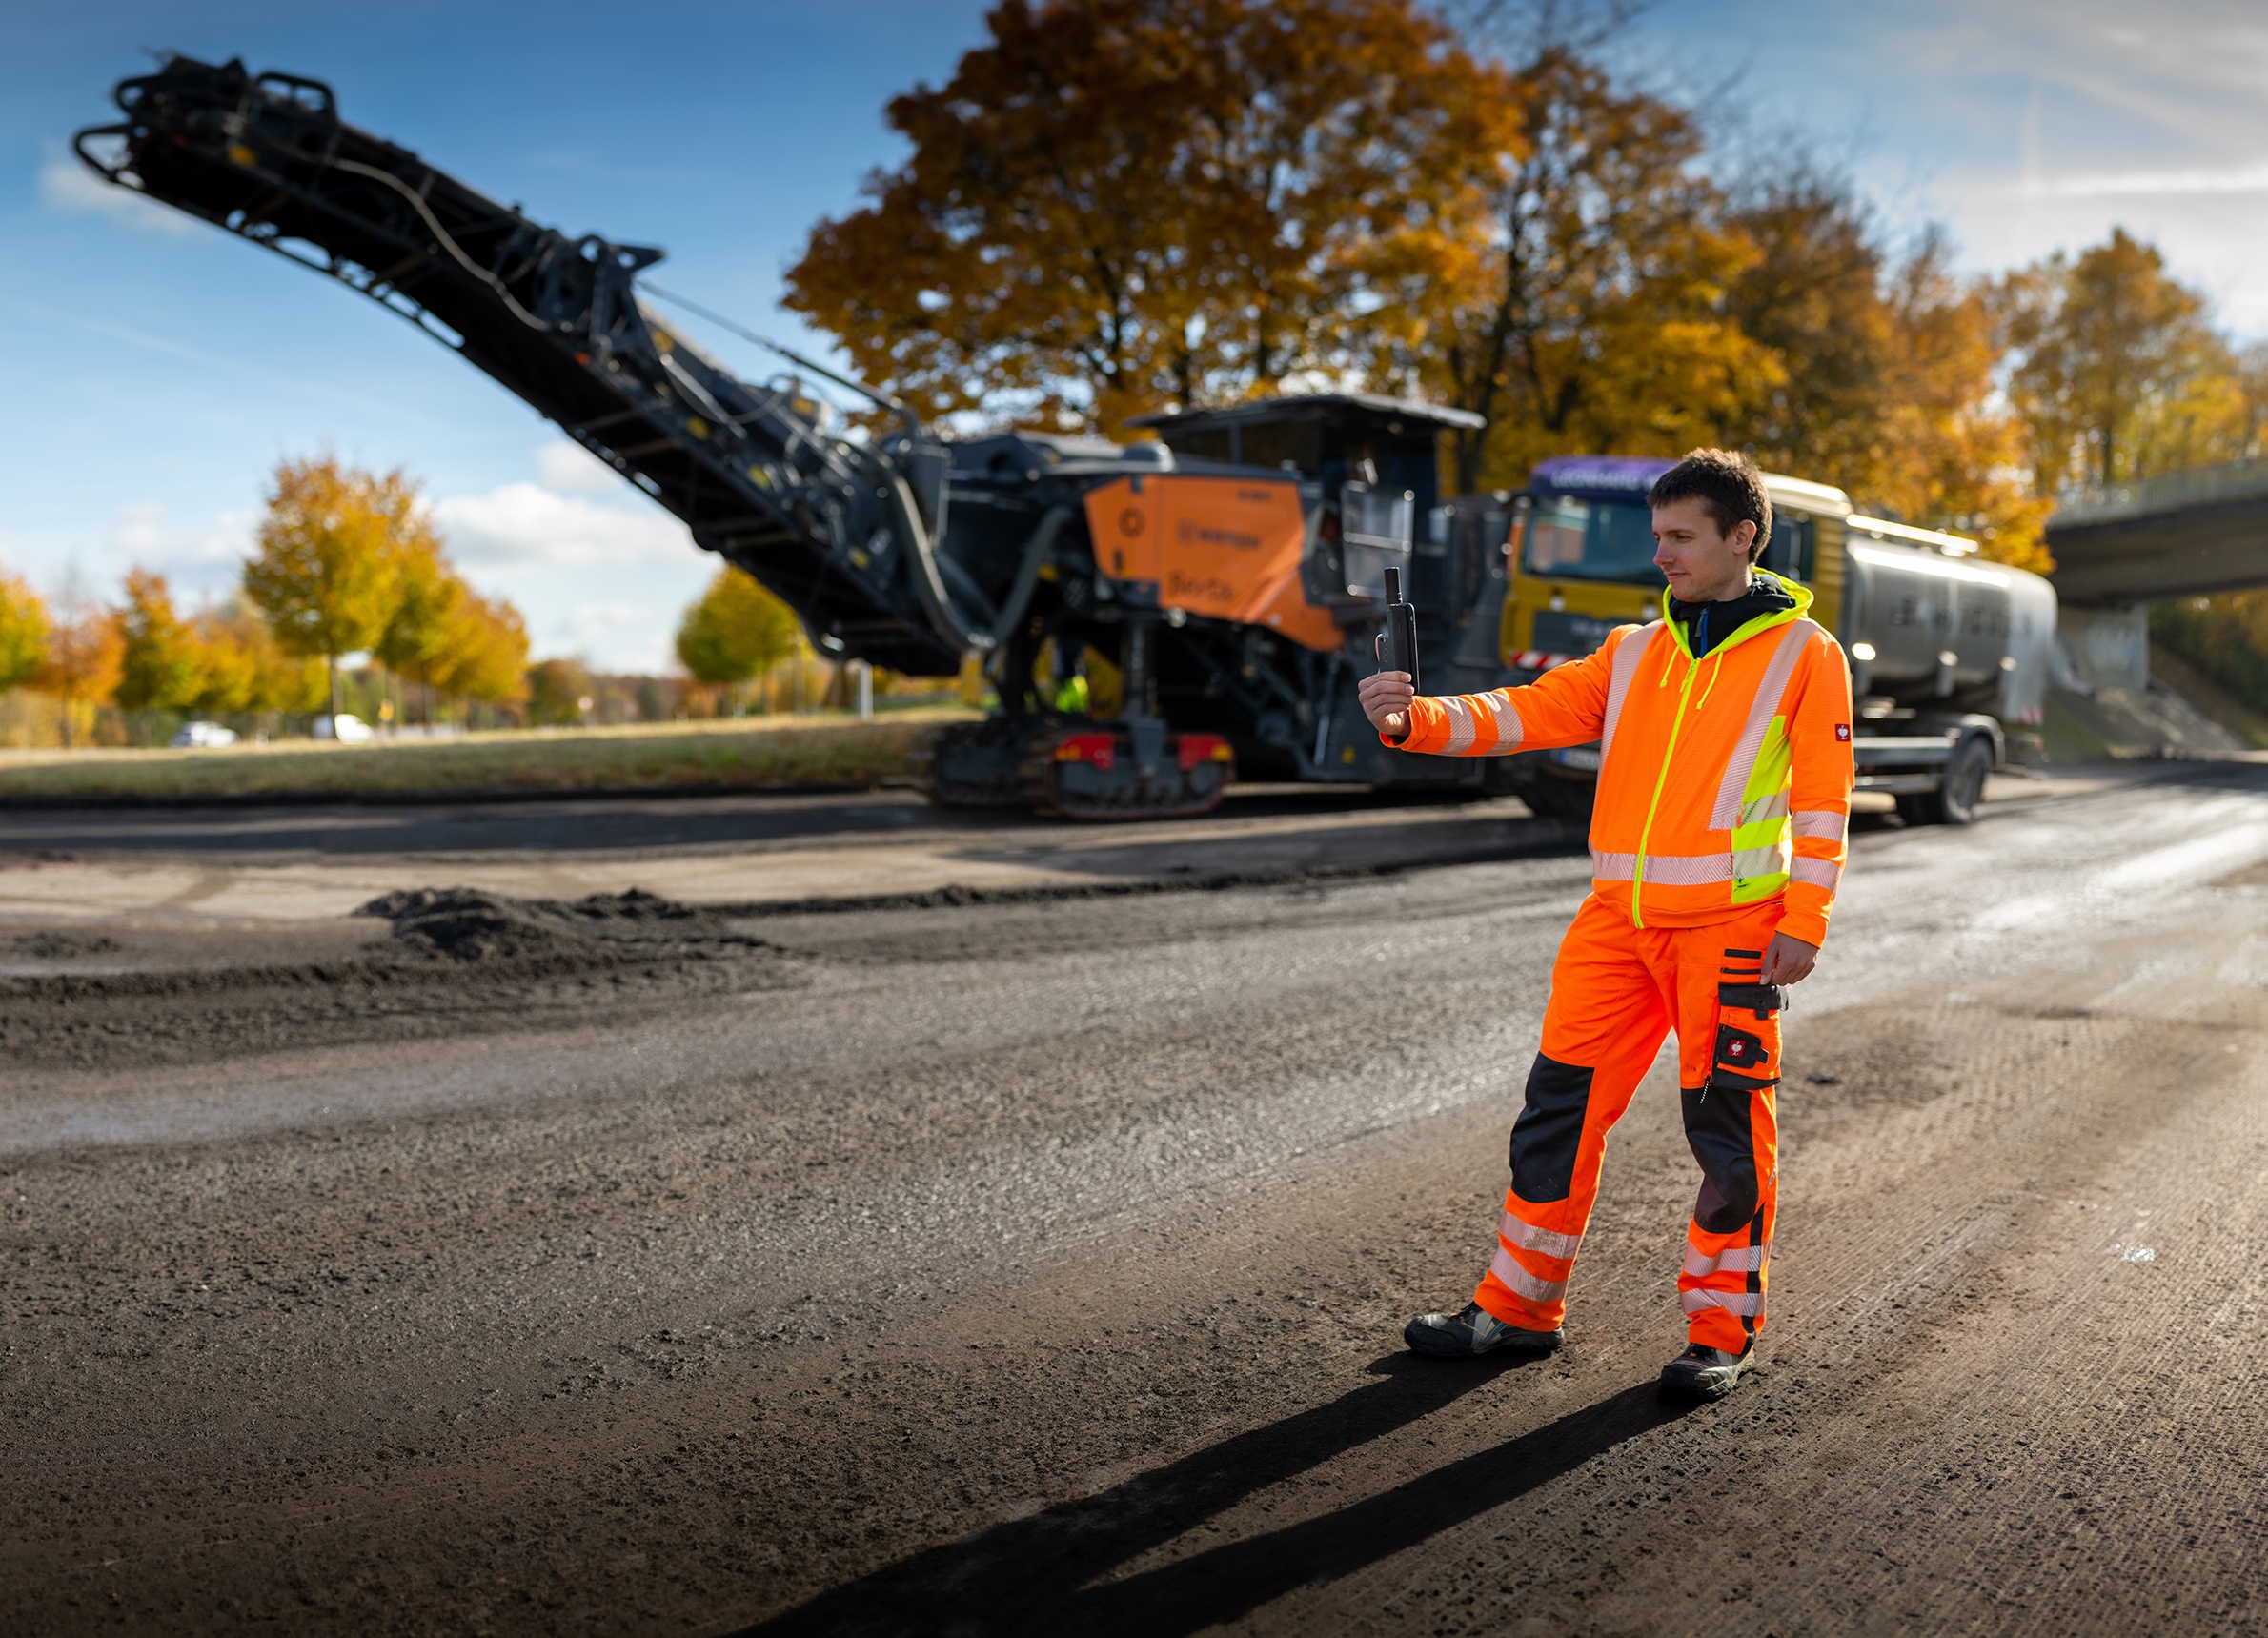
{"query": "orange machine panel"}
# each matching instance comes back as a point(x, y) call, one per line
point(1224, 547)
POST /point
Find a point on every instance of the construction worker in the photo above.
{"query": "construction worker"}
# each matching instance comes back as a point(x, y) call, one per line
point(1723, 794)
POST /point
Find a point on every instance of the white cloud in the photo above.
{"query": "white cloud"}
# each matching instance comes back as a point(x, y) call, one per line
point(527, 523)
point(198, 559)
point(569, 469)
point(67, 185)
point(635, 636)
point(2251, 177)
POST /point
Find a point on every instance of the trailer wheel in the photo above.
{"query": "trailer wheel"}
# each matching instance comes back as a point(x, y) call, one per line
point(1957, 799)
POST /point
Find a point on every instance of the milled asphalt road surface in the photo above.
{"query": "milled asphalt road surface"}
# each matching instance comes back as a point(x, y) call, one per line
point(1037, 1263)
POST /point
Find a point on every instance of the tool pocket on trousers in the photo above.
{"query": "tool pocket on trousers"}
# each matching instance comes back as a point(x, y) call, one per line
point(1746, 1055)
point(1765, 1001)
point(1550, 1130)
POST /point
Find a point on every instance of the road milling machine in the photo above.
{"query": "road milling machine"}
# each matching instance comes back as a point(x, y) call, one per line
point(1157, 617)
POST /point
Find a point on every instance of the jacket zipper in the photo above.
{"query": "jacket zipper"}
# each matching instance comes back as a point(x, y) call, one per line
point(1646, 835)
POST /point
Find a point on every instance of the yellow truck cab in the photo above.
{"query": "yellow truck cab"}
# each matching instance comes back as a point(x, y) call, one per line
point(1944, 649)
point(1582, 553)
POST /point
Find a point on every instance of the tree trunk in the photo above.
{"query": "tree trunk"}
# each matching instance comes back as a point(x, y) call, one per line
point(331, 669)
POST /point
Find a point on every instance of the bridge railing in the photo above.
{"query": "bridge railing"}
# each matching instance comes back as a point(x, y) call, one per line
point(2231, 481)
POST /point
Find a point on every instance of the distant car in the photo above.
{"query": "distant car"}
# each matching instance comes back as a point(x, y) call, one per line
point(347, 728)
point(203, 736)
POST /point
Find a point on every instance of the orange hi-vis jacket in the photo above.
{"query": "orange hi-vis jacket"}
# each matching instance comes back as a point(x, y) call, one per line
point(1723, 783)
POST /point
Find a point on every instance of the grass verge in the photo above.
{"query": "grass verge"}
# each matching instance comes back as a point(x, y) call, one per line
point(660, 757)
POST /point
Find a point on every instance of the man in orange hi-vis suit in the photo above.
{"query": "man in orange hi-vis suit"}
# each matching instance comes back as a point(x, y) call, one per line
point(1724, 794)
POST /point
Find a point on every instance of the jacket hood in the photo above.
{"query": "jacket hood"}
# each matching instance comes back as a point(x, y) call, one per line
point(1776, 613)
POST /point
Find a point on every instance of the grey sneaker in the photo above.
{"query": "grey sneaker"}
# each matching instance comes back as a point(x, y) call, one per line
point(1475, 1331)
point(1701, 1374)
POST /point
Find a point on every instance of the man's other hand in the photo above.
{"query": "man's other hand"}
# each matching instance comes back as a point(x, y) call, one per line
point(1789, 960)
point(1385, 701)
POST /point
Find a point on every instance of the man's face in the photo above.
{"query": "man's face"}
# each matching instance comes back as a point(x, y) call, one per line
point(1703, 564)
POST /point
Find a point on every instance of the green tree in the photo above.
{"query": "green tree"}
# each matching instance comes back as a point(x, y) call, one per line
point(2120, 373)
point(735, 632)
point(2226, 637)
point(556, 690)
point(329, 563)
point(1116, 205)
point(23, 632)
point(162, 664)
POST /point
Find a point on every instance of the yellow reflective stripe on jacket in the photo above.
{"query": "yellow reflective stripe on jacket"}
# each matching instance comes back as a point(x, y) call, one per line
point(1762, 837)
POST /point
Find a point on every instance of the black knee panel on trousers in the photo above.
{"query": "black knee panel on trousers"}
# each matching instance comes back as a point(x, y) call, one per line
point(1716, 1126)
point(1549, 1128)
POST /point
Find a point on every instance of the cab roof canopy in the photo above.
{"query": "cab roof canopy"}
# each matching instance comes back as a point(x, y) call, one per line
point(1322, 436)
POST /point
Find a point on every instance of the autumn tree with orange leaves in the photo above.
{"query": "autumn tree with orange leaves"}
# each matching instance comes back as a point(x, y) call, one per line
point(1588, 311)
point(1117, 206)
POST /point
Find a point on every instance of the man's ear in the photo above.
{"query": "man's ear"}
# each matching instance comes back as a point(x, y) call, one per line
point(1744, 534)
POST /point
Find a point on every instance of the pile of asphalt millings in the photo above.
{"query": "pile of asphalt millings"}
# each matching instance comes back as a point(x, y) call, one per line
point(469, 925)
point(460, 960)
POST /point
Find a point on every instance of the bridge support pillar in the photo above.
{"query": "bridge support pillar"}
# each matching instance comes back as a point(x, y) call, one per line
point(2102, 648)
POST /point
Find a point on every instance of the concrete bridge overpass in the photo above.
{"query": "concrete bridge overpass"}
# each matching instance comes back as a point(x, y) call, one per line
point(2182, 535)
point(2123, 547)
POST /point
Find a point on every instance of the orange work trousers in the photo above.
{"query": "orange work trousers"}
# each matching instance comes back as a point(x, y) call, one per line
point(1616, 991)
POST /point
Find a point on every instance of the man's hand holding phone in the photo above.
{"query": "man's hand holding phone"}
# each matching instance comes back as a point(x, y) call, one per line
point(1385, 701)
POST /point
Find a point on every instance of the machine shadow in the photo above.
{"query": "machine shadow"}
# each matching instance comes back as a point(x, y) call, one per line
point(1035, 1573)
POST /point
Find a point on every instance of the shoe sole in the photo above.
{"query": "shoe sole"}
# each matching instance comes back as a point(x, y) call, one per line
point(1422, 1341)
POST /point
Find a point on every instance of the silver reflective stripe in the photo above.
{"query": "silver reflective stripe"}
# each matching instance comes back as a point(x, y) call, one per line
point(1794, 637)
point(1510, 731)
point(1527, 1236)
point(1507, 1267)
point(1460, 735)
point(1749, 1304)
point(1818, 872)
point(1772, 807)
point(1628, 653)
point(1751, 862)
point(1664, 869)
point(1687, 870)
point(1822, 824)
point(1739, 1260)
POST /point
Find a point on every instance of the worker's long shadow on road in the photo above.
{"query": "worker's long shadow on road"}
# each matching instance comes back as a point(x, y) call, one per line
point(1035, 1572)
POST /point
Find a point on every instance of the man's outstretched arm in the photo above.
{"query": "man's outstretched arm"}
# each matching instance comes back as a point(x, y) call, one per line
point(1563, 707)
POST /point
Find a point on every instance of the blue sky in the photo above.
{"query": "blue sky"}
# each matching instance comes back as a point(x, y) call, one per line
point(160, 368)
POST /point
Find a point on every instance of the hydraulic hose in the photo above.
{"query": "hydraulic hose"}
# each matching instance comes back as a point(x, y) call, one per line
point(1027, 571)
point(929, 585)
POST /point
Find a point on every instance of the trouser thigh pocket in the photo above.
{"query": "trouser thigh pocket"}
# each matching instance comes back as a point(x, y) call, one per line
point(1748, 1041)
point(1720, 1114)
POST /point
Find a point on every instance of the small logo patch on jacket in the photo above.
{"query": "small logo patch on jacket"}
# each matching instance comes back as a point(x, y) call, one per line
point(1842, 731)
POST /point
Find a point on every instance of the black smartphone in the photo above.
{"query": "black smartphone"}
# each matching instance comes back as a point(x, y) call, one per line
point(1398, 647)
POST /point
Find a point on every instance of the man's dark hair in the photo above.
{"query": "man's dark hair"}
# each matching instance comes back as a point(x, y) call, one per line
point(1728, 488)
